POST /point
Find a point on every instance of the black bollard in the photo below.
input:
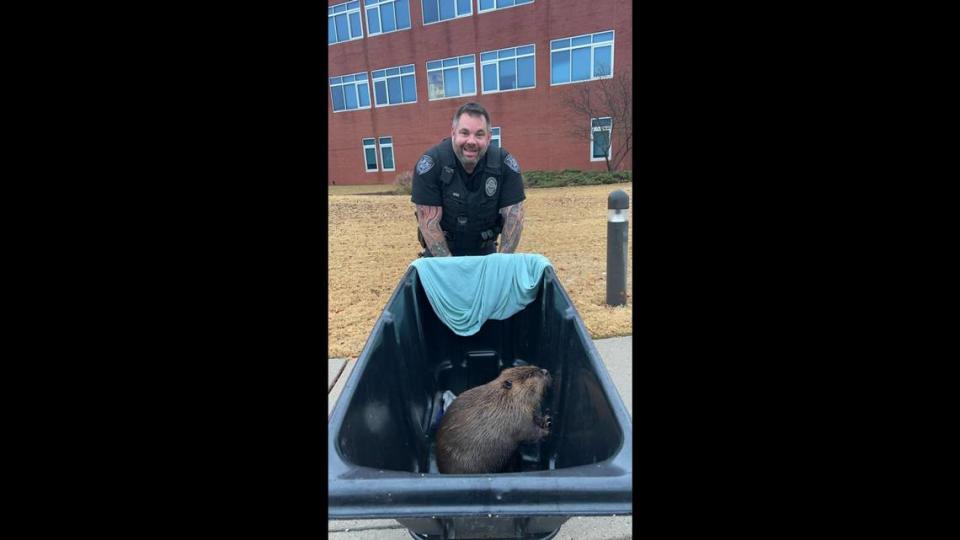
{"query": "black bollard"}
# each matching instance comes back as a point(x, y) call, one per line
point(617, 205)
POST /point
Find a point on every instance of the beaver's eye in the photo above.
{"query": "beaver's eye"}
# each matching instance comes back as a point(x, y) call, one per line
point(507, 384)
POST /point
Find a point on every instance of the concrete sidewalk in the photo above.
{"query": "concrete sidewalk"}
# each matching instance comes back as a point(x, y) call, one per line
point(617, 355)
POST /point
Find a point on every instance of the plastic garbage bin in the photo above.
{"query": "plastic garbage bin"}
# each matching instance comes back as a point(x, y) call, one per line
point(381, 433)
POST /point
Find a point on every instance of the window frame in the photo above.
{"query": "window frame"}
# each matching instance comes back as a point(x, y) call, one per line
point(591, 46)
point(495, 8)
point(393, 153)
point(400, 74)
point(609, 131)
point(364, 146)
point(423, 13)
point(378, 6)
point(358, 10)
point(354, 83)
point(497, 137)
point(460, 68)
point(496, 62)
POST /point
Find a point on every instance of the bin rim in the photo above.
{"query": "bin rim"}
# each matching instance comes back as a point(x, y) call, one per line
point(347, 500)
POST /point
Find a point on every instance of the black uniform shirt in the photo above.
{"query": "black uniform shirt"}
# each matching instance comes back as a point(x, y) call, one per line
point(472, 180)
point(426, 185)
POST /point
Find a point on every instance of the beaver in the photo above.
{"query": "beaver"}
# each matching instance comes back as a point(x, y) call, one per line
point(484, 426)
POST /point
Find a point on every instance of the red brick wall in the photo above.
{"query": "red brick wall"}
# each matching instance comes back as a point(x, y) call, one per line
point(533, 123)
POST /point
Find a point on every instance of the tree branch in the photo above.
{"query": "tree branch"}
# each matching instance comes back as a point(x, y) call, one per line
point(607, 97)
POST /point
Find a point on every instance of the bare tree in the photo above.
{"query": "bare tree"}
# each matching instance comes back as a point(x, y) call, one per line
point(606, 97)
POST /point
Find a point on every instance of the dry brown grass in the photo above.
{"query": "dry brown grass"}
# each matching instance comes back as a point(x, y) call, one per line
point(359, 189)
point(373, 240)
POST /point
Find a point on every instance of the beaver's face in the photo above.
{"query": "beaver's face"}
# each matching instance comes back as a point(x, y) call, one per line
point(529, 381)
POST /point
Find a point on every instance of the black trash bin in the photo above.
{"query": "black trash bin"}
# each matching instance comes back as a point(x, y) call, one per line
point(381, 432)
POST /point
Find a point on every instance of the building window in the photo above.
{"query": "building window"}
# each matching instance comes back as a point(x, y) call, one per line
point(441, 10)
point(495, 137)
point(370, 155)
point(385, 16)
point(492, 5)
point(600, 143)
point(350, 92)
point(508, 69)
point(386, 153)
point(581, 58)
point(394, 86)
point(452, 77)
point(343, 22)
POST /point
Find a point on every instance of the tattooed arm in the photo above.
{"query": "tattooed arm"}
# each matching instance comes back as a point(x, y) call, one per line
point(429, 219)
point(512, 227)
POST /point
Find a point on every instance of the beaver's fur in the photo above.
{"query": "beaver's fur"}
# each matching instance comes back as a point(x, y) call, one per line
point(483, 427)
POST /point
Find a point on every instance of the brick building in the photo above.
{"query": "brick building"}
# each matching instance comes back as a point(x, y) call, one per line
point(399, 69)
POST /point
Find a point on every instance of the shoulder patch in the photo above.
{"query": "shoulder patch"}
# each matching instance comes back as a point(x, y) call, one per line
point(512, 163)
point(425, 164)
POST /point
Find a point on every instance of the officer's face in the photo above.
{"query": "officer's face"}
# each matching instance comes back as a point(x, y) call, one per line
point(470, 137)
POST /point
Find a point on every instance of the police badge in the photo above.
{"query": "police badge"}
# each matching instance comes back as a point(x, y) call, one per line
point(491, 186)
point(425, 164)
point(512, 163)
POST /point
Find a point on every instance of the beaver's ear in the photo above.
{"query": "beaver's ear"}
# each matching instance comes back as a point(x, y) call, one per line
point(507, 384)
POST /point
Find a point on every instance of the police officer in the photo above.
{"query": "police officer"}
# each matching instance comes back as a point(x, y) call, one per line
point(468, 193)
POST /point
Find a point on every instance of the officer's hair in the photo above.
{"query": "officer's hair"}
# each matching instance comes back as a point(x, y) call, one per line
point(473, 109)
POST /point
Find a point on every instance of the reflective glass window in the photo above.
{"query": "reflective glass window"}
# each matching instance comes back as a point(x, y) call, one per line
point(452, 77)
point(581, 58)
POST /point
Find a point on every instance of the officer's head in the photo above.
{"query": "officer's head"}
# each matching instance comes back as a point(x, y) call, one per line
point(471, 134)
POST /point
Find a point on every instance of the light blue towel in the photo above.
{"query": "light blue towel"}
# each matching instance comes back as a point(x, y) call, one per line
point(466, 291)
